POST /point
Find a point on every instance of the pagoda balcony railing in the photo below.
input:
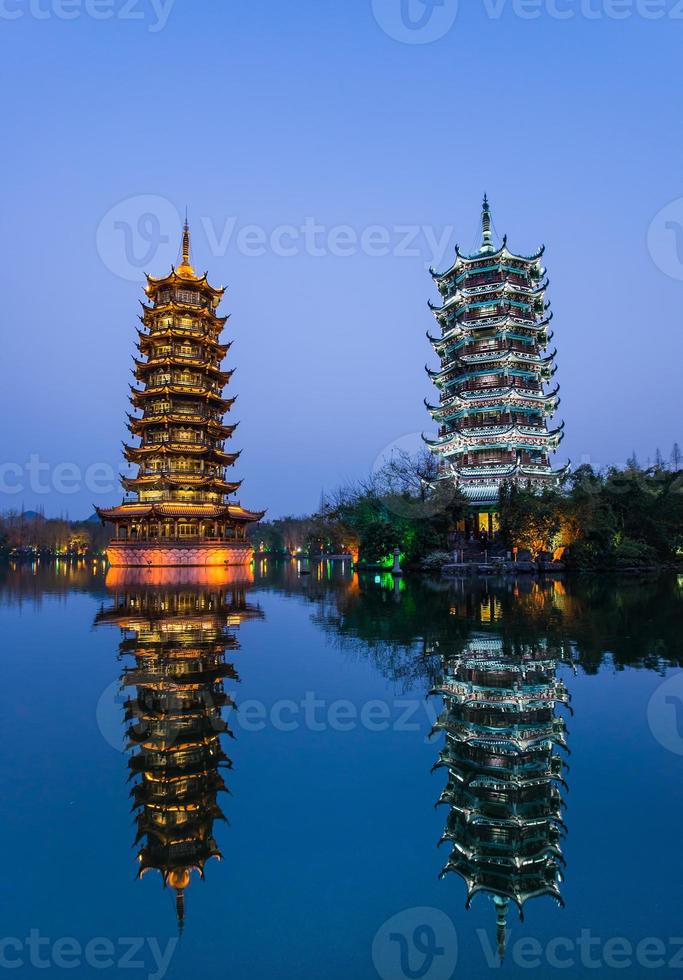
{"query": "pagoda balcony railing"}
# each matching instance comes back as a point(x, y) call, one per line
point(187, 386)
point(188, 418)
point(494, 274)
point(191, 413)
point(504, 459)
point(192, 329)
point(176, 443)
point(494, 470)
point(187, 541)
point(529, 323)
point(484, 430)
point(187, 356)
point(180, 471)
point(486, 346)
point(500, 356)
point(471, 386)
point(167, 497)
point(188, 297)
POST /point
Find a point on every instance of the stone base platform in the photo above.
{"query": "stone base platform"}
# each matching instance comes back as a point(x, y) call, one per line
point(178, 554)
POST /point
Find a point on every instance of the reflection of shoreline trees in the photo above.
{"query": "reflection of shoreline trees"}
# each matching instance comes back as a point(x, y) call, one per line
point(403, 628)
point(31, 581)
point(177, 639)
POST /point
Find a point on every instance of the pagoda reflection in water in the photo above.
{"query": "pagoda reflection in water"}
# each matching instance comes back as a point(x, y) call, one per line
point(176, 636)
point(505, 775)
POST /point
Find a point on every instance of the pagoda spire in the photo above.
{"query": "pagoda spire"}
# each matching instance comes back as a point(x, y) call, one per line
point(185, 269)
point(486, 240)
point(180, 909)
point(501, 905)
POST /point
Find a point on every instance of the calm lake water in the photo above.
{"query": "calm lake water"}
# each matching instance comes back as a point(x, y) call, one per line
point(557, 756)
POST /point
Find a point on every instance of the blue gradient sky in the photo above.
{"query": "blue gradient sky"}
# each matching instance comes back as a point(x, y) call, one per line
point(270, 113)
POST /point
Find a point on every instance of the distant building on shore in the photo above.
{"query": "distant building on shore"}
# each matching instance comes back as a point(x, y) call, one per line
point(179, 511)
point(493, 407)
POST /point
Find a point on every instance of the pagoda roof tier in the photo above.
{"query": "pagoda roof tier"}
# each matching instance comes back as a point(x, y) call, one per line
point(136, 454)
point(491, 289)
point(494, 436)
point(457, 338)
point(180, 390)
point(189, 481)
point(182, 863)
point(483, 398)
point(455, 373)
point(506, 356)
point(148, 340)
point(139, 511)
point(534, 363)
point(138, 425)
point(464, 261)
point(453, 311)
point(480, 476)
point(452, 413)
point(182, 277)
point(498, 886)
point(468, 328)
point(142, 368)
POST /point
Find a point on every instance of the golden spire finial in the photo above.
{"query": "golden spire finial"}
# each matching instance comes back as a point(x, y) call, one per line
point(186, 241)
point(185, 268)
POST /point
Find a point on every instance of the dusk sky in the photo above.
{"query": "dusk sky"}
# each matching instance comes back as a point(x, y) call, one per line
point(328, 155)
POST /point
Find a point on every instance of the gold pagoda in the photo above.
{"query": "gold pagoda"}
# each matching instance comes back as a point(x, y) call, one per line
point(178, 637)
point(177, 509)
